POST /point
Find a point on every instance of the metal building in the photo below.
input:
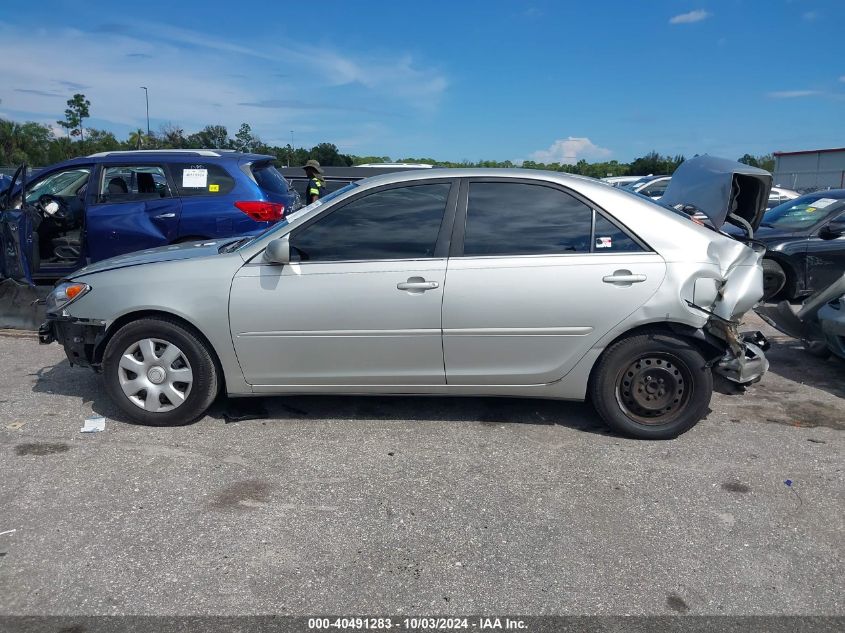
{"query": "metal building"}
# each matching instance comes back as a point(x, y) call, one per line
point(810, 170)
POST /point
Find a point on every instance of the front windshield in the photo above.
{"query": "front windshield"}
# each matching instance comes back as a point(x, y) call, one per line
point(802, 212)
point(299, 213)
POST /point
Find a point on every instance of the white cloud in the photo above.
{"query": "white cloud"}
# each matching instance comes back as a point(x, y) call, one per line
point(196, 79)
point(569, 151)
point(793, 94)
point(688, 18)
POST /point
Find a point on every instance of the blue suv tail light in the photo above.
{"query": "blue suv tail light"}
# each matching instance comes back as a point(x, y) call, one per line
point(262, 211)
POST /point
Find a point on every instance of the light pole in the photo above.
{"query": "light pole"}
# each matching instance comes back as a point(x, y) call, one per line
point(290, 153)
point(147, 97)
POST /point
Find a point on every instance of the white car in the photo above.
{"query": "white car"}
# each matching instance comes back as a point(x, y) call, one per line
point(620, 181)
point(779, 195)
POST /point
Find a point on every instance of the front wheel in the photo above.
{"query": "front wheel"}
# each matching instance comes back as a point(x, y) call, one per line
point(774, 278)
point(159, 372)
point(651, 386)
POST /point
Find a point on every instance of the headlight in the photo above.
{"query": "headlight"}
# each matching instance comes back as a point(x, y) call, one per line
point(65, 294)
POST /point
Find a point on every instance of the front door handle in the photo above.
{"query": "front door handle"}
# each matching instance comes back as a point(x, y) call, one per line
point(164, 216)
point(417, 285)
point(623, 278)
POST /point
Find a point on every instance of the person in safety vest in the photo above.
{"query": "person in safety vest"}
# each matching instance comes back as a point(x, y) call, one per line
point(316, 185)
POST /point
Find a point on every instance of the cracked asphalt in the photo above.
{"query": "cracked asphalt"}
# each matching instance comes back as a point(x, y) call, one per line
point(420, 505)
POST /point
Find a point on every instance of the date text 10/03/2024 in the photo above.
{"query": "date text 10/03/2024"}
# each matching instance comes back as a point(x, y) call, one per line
point(417, 623)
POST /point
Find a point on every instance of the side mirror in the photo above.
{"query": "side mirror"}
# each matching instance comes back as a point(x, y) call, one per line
point(834, 229)
point(278, 251)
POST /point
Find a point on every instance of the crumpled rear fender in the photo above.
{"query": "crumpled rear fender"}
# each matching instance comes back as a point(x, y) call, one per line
point(742, 278)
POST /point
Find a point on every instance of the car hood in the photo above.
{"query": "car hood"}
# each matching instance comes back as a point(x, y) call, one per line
point(767, 233)
point(188, 250)
point(722, 189)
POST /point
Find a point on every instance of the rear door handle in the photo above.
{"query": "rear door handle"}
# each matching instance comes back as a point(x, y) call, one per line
point(417, 285)
point(623, 278)
point(164, 216)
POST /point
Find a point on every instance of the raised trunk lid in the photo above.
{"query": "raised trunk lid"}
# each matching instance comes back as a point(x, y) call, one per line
point(722, 189)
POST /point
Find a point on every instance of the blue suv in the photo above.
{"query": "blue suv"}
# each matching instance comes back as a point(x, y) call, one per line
point(95, 207)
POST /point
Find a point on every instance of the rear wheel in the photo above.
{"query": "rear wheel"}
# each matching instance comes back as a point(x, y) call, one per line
point(651, 386)
point(159, 372)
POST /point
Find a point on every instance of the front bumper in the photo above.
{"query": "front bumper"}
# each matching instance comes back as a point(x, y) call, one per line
point(81, 338)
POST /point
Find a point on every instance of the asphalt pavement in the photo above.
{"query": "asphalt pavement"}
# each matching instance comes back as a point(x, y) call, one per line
point(420, 505)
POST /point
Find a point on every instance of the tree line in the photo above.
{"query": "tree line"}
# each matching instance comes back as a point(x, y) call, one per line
point(35, 144)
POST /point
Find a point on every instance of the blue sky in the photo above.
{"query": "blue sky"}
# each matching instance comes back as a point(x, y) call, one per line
point(544, 79)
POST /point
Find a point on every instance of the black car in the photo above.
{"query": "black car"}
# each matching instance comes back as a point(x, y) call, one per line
point(805, 244)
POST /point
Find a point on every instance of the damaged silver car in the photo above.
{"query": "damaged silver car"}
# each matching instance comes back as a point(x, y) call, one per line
point(450, 282)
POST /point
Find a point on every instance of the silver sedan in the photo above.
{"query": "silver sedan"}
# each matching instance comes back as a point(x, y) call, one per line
point(450, 282)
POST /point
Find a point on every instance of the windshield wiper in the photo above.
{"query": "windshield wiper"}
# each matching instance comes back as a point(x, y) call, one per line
point(231, 246)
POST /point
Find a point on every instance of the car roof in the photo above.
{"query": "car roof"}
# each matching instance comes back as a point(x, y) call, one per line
point(825, 193)
point(163, 155)
point(170, 154)
point(477, 172)
point(350, 173)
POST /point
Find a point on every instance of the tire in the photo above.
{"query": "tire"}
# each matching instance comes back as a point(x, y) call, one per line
point(774, 278)
point(643, 361)
point(150, 356)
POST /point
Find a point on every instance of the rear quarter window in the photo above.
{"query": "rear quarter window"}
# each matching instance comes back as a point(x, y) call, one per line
point(269, 178)
point(201, 179)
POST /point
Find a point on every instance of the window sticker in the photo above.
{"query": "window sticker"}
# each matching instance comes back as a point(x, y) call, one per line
point(214, 188)
point(604, 242)
point(194, 178)
point(821, 203)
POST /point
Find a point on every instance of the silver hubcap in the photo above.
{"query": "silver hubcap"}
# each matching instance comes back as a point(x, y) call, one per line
point(155, 375)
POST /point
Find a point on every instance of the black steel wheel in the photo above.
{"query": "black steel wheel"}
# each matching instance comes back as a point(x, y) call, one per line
point(651, 386)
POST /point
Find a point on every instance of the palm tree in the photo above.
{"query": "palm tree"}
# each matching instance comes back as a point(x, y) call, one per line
point(9, 135)
point(136, 138)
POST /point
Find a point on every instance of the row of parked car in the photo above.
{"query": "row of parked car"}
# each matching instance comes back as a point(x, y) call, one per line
point(92, 208)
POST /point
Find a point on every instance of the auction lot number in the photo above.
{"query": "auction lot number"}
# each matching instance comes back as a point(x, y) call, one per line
point(445, 624)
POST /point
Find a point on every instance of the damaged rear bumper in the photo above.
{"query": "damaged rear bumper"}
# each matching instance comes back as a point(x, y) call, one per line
point(744, 361)
point(81, 338)
point(745, 369)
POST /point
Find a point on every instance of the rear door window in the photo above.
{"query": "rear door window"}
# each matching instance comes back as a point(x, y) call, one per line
point(201, 179)
point(506, 218)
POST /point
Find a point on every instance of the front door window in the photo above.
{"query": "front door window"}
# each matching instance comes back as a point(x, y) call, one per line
point(401, 223)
